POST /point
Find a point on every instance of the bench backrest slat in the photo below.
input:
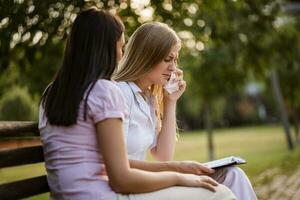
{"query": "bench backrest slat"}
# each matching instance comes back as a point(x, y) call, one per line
point(11, 127)
point(24, 188)
point(21, 156)
point(18, 128)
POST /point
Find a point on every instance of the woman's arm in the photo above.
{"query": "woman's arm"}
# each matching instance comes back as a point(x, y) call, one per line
point(187, 167)
point(124, 179)
point(165, 147)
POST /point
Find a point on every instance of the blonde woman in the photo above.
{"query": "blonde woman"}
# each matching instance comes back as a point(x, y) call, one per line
point(149, 60)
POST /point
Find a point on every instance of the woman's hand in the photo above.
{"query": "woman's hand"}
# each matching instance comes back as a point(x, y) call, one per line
point(190, 167)
point(182, 85)
point(191, 180)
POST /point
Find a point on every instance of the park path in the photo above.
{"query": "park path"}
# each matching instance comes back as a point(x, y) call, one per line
point(274, 185)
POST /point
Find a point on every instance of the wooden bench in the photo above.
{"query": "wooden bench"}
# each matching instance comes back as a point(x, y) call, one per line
point(21, 156)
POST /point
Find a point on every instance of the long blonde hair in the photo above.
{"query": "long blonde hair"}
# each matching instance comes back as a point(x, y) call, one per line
point(147, 47)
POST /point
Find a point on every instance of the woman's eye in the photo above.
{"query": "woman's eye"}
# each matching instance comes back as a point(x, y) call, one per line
point(167, 59)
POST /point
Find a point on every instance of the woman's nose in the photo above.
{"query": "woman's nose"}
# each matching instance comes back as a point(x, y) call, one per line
point(172, 67)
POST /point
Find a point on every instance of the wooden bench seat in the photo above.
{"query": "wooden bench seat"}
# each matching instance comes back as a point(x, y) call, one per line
point(21, 156)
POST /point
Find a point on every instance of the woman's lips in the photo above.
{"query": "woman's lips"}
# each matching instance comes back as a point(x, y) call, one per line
point(167, 76)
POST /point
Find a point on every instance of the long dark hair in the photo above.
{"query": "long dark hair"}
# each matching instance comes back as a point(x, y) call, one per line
point(90, 54)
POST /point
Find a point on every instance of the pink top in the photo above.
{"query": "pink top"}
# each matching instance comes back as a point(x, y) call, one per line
point(73, 158)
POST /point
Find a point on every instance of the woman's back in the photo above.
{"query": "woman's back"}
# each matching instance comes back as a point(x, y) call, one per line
point(72, 156)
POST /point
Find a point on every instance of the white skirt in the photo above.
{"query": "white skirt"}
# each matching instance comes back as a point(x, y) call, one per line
point(182, 193)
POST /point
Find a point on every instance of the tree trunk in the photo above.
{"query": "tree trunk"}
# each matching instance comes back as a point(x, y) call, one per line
point(209, 128)
point(281, 108)
point(296, 127)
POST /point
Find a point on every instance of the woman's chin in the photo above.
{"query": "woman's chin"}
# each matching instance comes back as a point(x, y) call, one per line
point(164, 82)
point(161, 82)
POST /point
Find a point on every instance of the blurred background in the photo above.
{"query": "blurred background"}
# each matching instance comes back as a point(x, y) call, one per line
point(241, 61)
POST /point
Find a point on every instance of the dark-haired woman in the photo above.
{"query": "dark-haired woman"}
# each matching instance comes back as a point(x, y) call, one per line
point(80, 122)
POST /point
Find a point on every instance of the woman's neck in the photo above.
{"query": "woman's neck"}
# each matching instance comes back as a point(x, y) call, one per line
point(143, 85)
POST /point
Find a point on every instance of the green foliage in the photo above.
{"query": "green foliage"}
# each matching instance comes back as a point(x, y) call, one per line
point(17, 104)
point(223, 41)
point(9, 76)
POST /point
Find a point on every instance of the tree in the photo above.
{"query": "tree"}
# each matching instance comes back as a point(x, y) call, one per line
point(223, 41)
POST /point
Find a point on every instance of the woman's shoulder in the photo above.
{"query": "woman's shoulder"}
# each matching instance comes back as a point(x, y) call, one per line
point(123, 85)
point(106, 87)
point(125, 88)
point(106, 101)
point(103, 84)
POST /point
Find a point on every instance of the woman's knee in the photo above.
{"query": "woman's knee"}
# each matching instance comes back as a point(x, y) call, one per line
point(228, 174)
point(222, 192)
point(235, 172)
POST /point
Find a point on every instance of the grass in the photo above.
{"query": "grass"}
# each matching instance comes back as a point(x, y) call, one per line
point(22, 172)
point(263, 147)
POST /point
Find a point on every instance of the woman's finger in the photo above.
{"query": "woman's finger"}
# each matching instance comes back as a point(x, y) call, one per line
point(206, 169)
point(178, 78)
point(194, 168)
point(182, 85)
point(211, 181)
point(207, 186)
point(179, 73)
